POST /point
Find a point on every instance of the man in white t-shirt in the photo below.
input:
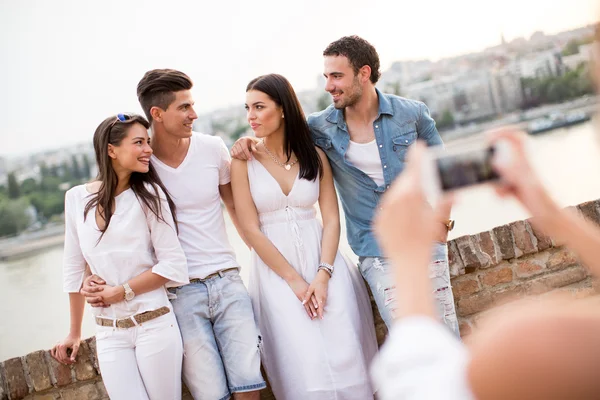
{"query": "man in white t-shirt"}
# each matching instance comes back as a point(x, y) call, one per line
point(220, 338)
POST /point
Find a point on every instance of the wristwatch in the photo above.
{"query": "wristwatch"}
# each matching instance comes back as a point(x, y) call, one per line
point(129, 294)
point(449, 224)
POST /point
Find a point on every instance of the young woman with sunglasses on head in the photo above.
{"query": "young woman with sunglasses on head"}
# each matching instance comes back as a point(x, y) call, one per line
point(123, 226)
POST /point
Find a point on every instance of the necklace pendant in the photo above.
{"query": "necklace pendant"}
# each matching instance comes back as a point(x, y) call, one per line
point(288, 167)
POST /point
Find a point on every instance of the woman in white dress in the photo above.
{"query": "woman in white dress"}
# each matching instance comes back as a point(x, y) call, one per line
point(123, 227)
point(311, 306)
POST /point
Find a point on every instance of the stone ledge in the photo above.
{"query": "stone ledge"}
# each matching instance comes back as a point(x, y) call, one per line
point(488, 268)
point(507, 242)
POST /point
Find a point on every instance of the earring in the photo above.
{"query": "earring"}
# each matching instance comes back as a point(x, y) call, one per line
point(282, 116)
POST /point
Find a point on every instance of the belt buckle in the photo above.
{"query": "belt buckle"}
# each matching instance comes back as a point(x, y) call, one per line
point(124, 323)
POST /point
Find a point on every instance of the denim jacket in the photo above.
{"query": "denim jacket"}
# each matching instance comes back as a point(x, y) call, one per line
point(400, 122)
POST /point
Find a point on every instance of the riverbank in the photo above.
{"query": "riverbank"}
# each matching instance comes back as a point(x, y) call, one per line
point(521, 119)
point(31, 243)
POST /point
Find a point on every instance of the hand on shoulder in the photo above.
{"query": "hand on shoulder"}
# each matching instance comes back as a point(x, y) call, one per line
point(244, 147)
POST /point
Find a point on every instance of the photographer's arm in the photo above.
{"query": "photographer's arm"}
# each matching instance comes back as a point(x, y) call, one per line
point(563, 225)
point(405, 227)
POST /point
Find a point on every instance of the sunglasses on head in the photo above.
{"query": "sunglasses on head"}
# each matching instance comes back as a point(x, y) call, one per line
point(120, 118)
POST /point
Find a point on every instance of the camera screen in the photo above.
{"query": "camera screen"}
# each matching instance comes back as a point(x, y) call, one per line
point(470, 168)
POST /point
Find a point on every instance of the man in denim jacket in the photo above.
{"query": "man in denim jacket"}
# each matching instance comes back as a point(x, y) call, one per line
point(365, 134)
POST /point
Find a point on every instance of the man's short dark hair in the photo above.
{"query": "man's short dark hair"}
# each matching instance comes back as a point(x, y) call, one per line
point(358, 51)
point(157, 88)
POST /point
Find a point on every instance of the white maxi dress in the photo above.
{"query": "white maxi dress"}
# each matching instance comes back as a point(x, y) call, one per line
point(303, 358)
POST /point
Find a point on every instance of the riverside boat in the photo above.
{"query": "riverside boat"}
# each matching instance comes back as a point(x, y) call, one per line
point(556, 120)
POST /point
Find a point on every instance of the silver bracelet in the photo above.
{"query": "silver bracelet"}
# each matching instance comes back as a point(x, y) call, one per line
point(326, 267)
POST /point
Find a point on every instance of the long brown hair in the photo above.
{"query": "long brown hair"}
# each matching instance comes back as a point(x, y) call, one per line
point(297, 138)
point(112, 131)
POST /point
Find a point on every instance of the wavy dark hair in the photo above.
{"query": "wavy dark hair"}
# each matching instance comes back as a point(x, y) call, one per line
point(358, 51)
point(112, 131)
point(297, 137)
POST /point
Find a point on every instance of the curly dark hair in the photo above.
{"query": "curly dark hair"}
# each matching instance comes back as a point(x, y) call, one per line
point(358, 51)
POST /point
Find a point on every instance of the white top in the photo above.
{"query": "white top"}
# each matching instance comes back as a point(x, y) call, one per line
point(421, 359)
point(135, 241)
point(194, 187)
point(365, 157)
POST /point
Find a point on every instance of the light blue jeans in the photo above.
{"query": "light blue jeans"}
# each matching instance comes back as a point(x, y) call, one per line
point(380, 277)
point(221, 343)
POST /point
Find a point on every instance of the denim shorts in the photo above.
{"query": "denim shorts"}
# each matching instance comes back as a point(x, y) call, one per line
point(221, 343)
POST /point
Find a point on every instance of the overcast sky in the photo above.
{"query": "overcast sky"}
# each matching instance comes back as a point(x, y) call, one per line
point(66, 65)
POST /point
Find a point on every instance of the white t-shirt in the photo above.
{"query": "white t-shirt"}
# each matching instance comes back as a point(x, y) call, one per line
point(135, 241)
point(365, 157)
point(194, 187)
point(421, 359)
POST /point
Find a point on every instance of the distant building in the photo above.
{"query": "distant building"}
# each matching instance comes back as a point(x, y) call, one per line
point(3, 168)
point(473, 98)
point(506, 90)
point(467, 97)
point(437, 94)
point(539, 65)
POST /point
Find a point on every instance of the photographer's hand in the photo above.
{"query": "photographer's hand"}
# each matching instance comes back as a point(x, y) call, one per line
point(518, 177)
point(406, 226)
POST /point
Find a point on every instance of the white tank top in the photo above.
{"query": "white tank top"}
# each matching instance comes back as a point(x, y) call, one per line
point(365, 157)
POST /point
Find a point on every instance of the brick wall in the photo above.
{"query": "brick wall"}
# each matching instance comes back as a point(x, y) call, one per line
point(487, 268)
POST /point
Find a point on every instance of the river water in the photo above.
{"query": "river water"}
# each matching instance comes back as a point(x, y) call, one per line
point(35, 312)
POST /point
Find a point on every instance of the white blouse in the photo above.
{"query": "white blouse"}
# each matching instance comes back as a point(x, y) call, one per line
point(421, 359)
point(135, 241)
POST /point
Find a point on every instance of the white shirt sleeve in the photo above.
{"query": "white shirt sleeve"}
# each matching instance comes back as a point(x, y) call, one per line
point(421, 359)
point(224, 164)
point(73, 261)
point(172, 263)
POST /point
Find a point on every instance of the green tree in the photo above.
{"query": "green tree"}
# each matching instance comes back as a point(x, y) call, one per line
point(13, 216)
point(14, 191)
point(75, 170)
point(50, 184)
point(239, 131)
point(53, 171)
point(323, 101)
point(572, 47)
point(48, 204)
point(86, 168)
point(446, 120)
point(556, 89)
point(44, 171)
point(28, 186)
point(66, 172)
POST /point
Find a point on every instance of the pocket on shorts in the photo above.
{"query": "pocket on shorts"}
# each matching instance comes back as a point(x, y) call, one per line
point(172, 293)
point(233, 276)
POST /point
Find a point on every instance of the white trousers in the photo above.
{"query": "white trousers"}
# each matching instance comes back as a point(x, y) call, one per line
point(143, 362)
